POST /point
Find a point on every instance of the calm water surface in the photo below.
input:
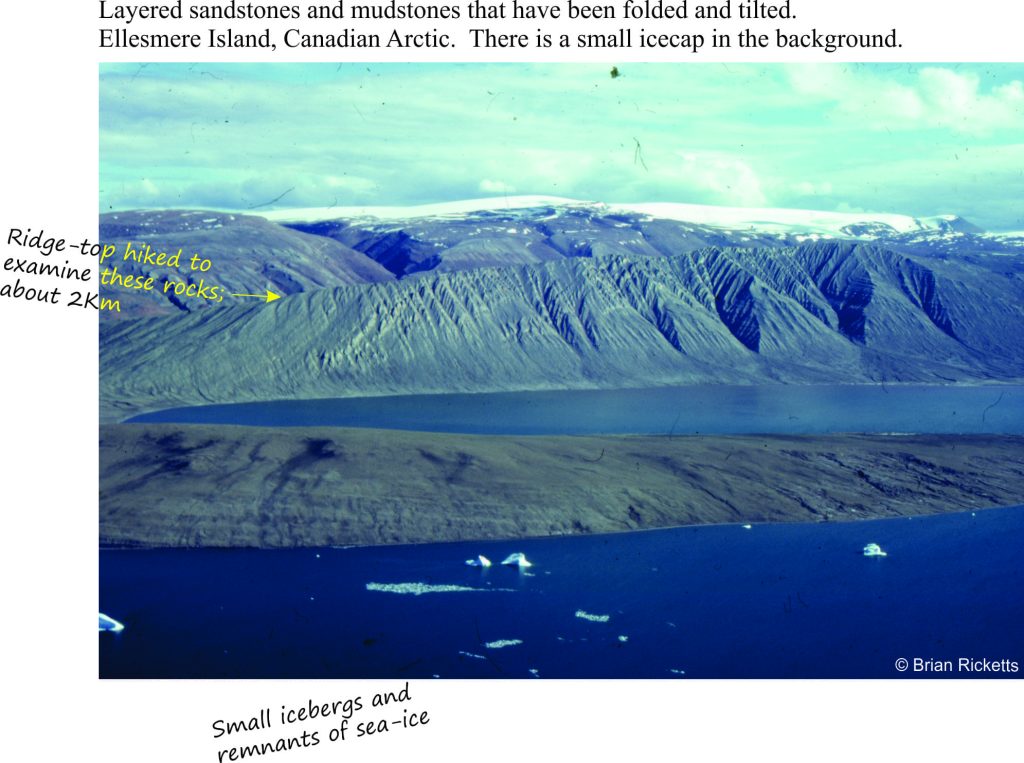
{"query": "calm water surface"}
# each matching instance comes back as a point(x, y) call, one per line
point(796, 600)
point(779, 409)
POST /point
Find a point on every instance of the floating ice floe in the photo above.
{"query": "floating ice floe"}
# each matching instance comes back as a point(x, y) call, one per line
point(623, 639)
point(110, 624)
point(417, 589)
point(517, 560)
point(474, 656)
point(502, 643)
point(677, 672)
point(592, 618)
point(534, 672)
point(873, 549)
point(480, 561)
point(747, 527)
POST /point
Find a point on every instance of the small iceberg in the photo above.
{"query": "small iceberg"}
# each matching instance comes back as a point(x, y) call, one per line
point(747, 527)
point(110, 624)
point(517, 560)
point(873, 549)
point(480, 561)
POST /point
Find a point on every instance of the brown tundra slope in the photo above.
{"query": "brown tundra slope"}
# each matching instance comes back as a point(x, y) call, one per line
point(195, 486)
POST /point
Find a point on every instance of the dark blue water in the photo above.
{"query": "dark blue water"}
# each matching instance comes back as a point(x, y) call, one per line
point(709, 602)
point(778, 409)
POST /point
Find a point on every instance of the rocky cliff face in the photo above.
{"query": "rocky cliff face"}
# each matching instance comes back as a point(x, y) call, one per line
point(251, 253)
point(826, 311)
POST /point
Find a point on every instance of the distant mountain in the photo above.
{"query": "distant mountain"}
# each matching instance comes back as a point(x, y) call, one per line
point(516, 231)
point(824, 311)
point(249, 255)
point(302, 250)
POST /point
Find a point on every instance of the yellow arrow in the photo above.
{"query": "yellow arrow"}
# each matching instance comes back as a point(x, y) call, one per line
point(269, 296)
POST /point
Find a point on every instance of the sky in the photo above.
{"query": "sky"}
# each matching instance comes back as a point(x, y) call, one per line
point(920, 139)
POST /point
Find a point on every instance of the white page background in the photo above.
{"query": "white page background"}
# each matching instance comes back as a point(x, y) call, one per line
point(56, 709)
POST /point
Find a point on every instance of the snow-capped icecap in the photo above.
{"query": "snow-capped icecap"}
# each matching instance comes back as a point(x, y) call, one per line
point(444, 209)
point(812, 223)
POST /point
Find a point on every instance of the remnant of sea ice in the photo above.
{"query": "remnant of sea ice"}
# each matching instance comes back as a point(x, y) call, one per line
point(502, 643)
point(592, 618)
point(418, 589)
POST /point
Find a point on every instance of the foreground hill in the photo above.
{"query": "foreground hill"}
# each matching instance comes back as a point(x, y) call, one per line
point(819, 312)
point(330, 486)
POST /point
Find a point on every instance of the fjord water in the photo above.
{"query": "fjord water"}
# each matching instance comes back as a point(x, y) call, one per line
point(785, 600)
point(777, 409)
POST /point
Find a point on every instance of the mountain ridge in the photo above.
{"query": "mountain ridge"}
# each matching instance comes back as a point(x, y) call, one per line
point(252, 253)
point(820, 312)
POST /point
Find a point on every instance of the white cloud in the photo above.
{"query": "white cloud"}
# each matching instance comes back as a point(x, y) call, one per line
point(809, 188)
point(721, 179)
point(933, 97)
point(496, 186)
point(737, 135)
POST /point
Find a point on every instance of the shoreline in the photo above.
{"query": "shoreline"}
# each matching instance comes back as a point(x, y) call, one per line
point(111, 412)
point(612, 534)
